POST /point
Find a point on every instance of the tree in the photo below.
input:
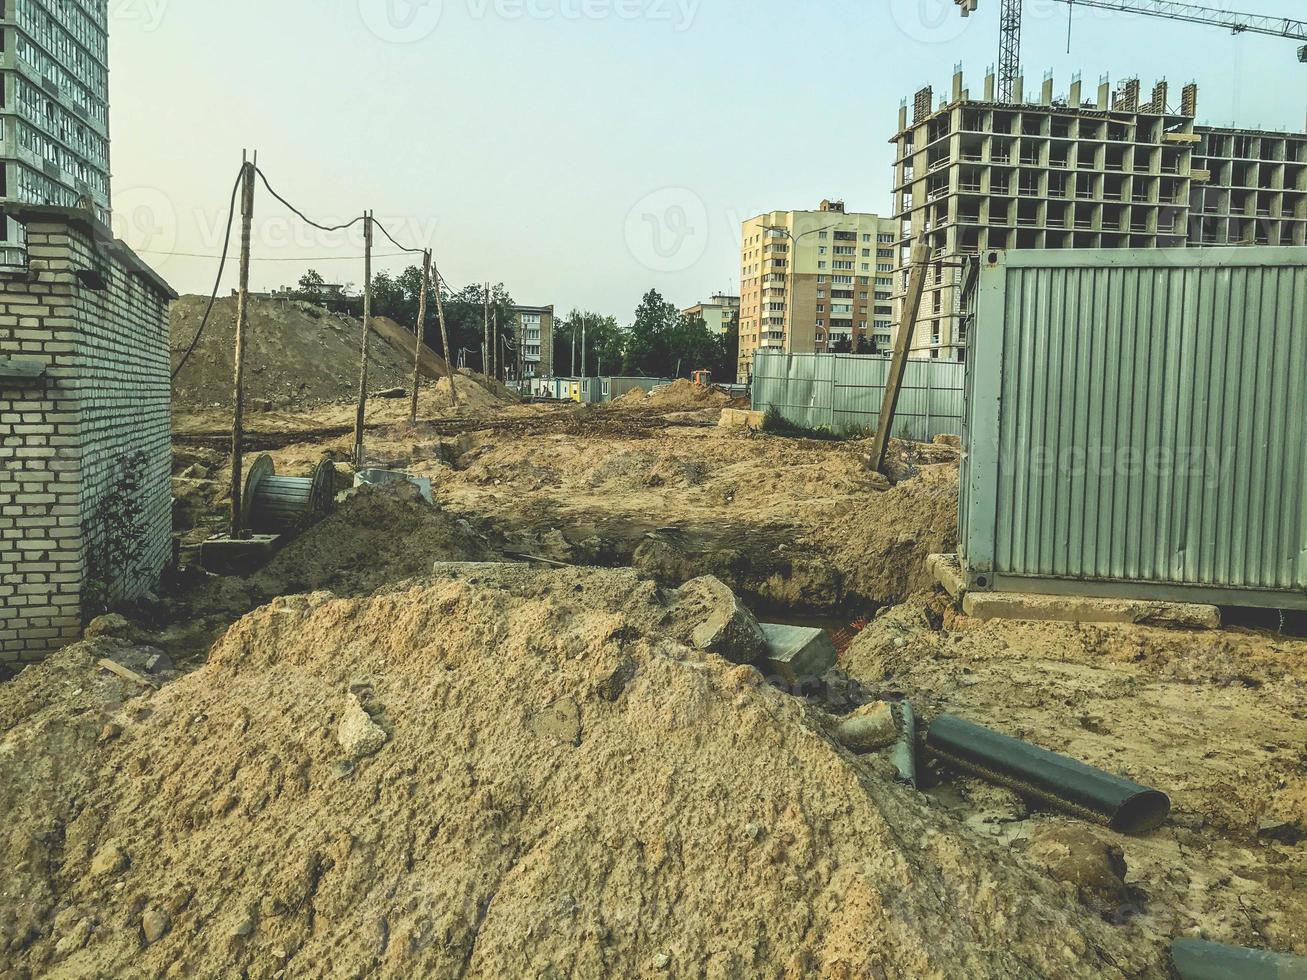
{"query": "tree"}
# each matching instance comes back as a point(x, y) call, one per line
point(312, 283)
point(649, 341)
point(726, 362)
point(604, 343)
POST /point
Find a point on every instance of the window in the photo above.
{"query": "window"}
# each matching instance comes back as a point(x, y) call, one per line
point(866, 238)
point(866, 253)
point(821, 235)
point(822, 265)
point(885, 239)
point(866, 267)
point(840, 265)
point(884, 267)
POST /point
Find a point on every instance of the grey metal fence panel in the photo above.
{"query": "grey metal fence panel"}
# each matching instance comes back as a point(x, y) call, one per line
point(1136, 425)
point(843, 392)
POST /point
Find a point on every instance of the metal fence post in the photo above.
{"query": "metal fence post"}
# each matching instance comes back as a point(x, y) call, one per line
point(929, 394)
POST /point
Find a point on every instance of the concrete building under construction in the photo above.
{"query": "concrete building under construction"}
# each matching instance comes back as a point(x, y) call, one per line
point(1110, 171)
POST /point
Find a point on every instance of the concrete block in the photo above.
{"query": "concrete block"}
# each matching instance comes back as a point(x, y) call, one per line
point(740, 418)
point(229, 556)
point(1089, 609)
point(381, 477)
point(947, 572)
point(797, 652)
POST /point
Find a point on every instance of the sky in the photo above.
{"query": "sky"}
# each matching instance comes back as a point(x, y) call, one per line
point(580, 151)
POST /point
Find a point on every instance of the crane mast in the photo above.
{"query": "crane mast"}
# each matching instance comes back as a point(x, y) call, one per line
point(1009, 45)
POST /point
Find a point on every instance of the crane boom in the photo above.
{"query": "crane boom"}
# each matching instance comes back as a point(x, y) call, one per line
point(1009, 52)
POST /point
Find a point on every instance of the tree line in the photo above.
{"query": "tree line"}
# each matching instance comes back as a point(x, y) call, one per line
point(659, 342)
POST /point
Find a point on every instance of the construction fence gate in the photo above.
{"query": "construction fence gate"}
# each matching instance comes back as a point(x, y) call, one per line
point(842, 393)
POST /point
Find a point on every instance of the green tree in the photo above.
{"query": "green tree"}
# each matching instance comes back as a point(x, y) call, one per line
point(311, 283)
point(603, 338)
point(649, 341)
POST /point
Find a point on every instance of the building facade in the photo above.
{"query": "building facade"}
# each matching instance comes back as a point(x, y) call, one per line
point(815, 281)
point(85, 413)
point(54, 114)
point(1111, 171)
point(535, 333)
point(717, 313)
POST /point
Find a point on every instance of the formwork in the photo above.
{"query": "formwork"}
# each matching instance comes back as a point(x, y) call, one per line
point(1136, 425)
point(843, 392)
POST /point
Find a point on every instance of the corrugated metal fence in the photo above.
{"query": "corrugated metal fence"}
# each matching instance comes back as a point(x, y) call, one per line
point(842, 392)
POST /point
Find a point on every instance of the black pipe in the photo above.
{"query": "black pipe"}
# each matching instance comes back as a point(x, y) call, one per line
point(1054, 779)
point(1197, 959)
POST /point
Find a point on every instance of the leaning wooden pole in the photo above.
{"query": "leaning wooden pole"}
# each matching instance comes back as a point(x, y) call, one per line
point(236, 530)
point(419, 331)
point(899, 362)
point(485, 342)
point(367, 329)
point(444, 340)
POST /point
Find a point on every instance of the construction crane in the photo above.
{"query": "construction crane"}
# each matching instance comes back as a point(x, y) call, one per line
point(1009, 48)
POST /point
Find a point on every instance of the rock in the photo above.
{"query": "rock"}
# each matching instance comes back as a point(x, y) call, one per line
point(612, 686)
point(157, 663)
point(662, 961)
point(1074, 854)
point(110, 731)
point(1285, 831)
point(723, 625)
point(795, 653)
point(868, 728)
point(108, 625)
point(74, 939)
point(154, 925)
point(560, 722)
point(953, 442)
point(108, 860)
point(358, 734)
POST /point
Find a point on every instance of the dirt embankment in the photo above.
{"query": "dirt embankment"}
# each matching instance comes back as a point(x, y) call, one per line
point(297, 355)
point(499, 772)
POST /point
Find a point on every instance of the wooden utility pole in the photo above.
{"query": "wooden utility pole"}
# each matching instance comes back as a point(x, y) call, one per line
point(235, 529)
point(899, 362)
point(485, 344)
point(499, 352)
point(367, 329)
point(444, 339)
point(419, 332)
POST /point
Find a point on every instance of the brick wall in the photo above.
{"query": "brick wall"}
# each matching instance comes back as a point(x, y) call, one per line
point(93, 319)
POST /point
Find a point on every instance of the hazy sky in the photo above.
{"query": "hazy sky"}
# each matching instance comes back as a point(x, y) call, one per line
point(581, 151)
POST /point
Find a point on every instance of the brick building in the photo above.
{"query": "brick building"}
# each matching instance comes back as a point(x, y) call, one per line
point(85, 395)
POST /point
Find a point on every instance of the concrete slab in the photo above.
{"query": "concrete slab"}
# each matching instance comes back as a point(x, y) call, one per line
point(1088, 609)
point(740, 418)
point(797, 652)
point(373, 477)
point(947, 572)
point(239, 556)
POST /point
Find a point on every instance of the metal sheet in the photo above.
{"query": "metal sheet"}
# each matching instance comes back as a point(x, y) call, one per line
point(1136, 425)
point(842, 393)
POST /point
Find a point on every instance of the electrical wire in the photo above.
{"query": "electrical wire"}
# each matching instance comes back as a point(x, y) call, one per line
point(300, 214)
point(273, 258)
point(415, 251)
point(217, 282)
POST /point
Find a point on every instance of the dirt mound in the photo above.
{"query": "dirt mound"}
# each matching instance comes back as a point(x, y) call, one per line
point(685, 395)
point(560, 790)
point(296, 355)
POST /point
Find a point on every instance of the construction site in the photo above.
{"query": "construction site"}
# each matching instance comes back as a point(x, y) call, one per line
point(323, 656)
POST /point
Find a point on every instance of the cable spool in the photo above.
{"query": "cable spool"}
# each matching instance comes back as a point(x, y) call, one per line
point(275, 504)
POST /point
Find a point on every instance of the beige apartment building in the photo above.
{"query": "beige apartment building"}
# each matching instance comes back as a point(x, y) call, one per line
point(815, 281)
point(717, 313)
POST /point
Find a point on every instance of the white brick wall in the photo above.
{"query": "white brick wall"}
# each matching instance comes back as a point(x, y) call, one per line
point(105, 395)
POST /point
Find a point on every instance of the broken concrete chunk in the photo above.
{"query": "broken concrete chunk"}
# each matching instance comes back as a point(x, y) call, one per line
point(868, 728)
point(157, 663)
point(798, 652)
point(724, 625)
point(560, 722)
point(358, 734)
point(108, 625)
point(378, 478)
point(108, 860)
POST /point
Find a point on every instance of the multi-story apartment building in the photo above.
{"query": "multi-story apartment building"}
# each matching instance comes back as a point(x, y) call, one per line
point(1108, 172)
point(815, 281)
point(54, 116)
point(535, 332)
point(717, 313)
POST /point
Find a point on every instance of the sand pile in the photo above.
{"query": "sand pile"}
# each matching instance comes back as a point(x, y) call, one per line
point(500, 772)
point(297, 355)
point(475, 394)
point(686, 395)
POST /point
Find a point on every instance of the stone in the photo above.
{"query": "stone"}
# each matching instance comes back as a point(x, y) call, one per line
point(109, 625)
point(1089, 609)
point(795, 653)
point(560, 722)
point(357, 733)
point(740, 418)
point(953, 442)
point(946, 570)
point(723, 625)
point(157, 663)
point(1074, 854)
point(378, 478)
point(74, 939)
point(868, 728)
point(108, 860)
point(154, 925)
point(1284, 831)
point(612, 686)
